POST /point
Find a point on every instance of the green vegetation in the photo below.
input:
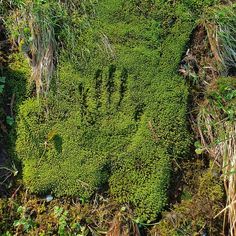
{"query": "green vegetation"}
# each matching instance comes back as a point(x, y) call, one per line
point(224, 19)
point(196, 213)
point(99, 107)
point(223, 98)
point(216, 121)
point(119, 120)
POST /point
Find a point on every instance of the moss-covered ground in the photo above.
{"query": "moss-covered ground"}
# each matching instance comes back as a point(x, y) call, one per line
point(113, 127)
point(121, 118)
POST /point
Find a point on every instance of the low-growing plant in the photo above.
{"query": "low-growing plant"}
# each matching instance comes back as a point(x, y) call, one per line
point(24, 221)
point(121, 119)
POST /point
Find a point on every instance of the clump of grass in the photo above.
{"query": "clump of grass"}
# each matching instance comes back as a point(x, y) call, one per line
point(44, 30)
point(32, 27)
point(225, 18)
point(222, 36)
point(216, 126)
point(216, 116)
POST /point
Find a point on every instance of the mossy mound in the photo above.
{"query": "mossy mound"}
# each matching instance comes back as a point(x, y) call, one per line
point(119, 117)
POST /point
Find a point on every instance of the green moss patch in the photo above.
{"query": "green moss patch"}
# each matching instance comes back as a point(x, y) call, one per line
point(118, 118)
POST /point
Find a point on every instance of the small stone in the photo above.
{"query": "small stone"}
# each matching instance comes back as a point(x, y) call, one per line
point(49, 198)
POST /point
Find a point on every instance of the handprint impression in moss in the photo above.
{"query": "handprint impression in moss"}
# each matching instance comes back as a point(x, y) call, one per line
point(119, 126)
